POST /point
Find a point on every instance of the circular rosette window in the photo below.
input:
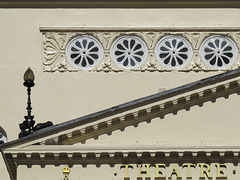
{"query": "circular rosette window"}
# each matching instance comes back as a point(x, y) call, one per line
point(129, 52)
point(84, 52)
point(218, 52)
point(173, 52)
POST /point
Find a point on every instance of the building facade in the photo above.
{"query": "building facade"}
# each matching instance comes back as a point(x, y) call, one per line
point(135, 90)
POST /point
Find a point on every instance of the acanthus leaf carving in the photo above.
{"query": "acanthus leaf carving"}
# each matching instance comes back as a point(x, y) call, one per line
point(51, 49)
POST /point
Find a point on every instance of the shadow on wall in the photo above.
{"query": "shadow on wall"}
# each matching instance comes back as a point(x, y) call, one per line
point(3, 136)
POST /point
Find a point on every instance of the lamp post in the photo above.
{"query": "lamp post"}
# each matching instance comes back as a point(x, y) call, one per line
point(27, 125)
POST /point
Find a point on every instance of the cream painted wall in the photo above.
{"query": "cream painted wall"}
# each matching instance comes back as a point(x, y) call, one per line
point(63, 96)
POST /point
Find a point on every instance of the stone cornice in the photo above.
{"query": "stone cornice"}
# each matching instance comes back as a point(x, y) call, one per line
point(146, 113)
point(120, 4)
point(124, 148)
point(98, 155)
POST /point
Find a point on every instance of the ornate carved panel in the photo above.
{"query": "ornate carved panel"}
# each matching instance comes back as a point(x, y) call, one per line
point(56, 40)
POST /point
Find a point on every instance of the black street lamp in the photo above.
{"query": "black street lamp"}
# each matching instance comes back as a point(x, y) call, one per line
point(27, 127)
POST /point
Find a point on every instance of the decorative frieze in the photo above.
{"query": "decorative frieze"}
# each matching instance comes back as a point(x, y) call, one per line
point(140, 50)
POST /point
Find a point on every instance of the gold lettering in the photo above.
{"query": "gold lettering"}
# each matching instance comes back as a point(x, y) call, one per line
point(205, 169)
point(189, 176)
point(175, 172)
point(158, 171)
point(140, 171)
point(220, 172)
point(126, 166)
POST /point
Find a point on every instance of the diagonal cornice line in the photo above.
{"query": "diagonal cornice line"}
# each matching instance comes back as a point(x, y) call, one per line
point(159, 110)
point(124, 107)
point(119, 4)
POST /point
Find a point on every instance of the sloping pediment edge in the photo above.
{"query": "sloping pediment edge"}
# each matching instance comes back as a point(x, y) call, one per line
point(122, 116)
point(134, 112)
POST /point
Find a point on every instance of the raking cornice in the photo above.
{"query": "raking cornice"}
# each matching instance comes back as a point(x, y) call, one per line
point(123, 108)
